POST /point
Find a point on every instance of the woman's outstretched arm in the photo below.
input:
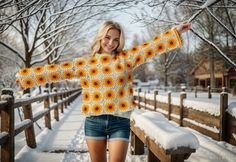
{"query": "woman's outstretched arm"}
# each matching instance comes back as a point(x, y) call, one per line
point(162, 43)
point(51, 73)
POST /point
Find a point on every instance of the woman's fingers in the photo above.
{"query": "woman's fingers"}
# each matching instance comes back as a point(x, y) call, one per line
point(184, 27)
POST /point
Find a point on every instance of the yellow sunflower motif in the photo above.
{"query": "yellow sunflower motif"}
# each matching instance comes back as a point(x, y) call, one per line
point(86, 96)
point(110, 107)
point(121, 92)
point(120, 80)
point(123, 105)
point(106, 70)
point(128, 65)
point(84, 83)
point(157, 38)
point(41, 79)
point(85, 109)
point(68, 74)
point(144, 45)
point(93, 71)
point(119, 67)
point(54, 76)
point(132, 103)
point(109, 95)
point(92, 61)
point(130, 77)
point(105, 59)
point(97, 109)
point(167, 33)
point(124, 54)
point(171, 43)
point(79, 62)
point(108, 82)
point(25, 72)
point(149, 53)
point(160, 48)
point(80, 73)
point(97, 96)
point(130, 91)
point(38, 70)
point(96, 83)
point(28, 82)
point(134, 50)
point(115, 57)
point(138, 59)
point(66, 65)
point(52, 67)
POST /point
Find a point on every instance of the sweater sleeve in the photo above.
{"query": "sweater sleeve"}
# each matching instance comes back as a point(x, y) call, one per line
point(162, 43)
point(51, 73)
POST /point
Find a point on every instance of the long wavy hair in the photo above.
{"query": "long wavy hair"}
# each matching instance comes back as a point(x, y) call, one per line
point(96, 45)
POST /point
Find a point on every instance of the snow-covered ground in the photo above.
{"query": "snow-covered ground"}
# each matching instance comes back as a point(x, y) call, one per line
point(65, 142)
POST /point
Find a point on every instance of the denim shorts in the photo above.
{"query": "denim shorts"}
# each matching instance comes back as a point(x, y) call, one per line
point(107, 127)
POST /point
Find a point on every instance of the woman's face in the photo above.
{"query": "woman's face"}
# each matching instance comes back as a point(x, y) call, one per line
point(111, 41)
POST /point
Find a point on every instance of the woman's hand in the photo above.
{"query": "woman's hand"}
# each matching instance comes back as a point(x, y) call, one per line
point(183, 27)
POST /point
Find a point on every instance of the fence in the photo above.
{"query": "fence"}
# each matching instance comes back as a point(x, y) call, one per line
point(221, 127)
point(60, 100)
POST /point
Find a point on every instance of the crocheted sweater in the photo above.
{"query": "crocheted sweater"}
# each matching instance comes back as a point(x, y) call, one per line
point(106, 79)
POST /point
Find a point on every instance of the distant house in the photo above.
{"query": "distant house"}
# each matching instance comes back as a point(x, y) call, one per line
point(225, 77)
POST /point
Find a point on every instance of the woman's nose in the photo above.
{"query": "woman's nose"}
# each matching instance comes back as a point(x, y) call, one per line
point(110, 42)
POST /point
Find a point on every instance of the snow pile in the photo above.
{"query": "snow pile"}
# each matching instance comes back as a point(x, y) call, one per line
point(211, 108)
point(158, 128)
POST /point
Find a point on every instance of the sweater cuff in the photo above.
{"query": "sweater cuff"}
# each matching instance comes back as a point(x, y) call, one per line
point(178, 36)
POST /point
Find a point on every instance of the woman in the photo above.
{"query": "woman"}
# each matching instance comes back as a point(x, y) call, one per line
point(106, 79)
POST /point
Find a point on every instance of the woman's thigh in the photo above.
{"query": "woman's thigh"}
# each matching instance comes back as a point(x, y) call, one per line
point(117, 150)
point(97, 150)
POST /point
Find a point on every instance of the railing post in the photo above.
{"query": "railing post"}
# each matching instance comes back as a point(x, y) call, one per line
point(209, 91)
point(155, 99)
point(145, 100)
point(195, 92)
point(182, 97)
point(61, 105)
point(139, 99)
point(137, 146)
point(68, 95)
point(65, 97)
point(223, 115)
point(55, 100)
point(29, 132)
point(169, 105)
point(48, 115)
point(8, 125)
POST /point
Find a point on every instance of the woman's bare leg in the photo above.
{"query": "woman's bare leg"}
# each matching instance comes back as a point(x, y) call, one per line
point(97, 150)
point(117, 150)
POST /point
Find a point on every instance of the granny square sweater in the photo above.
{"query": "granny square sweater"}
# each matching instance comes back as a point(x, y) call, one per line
point(106, 79)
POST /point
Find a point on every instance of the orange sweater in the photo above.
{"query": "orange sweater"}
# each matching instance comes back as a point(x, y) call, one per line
point(106, 79)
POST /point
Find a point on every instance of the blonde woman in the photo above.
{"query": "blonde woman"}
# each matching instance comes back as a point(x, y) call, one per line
point(106, 79)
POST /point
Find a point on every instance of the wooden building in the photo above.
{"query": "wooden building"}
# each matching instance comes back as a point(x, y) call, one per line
point(225, 77)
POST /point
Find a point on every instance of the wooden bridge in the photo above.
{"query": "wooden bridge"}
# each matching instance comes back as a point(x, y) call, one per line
point(58, 101)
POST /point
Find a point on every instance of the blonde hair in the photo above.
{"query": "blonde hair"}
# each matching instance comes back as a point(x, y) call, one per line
point(96, 45)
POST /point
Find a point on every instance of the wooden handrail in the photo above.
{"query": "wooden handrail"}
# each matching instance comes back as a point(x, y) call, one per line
point(219, 127)
point(7, 106)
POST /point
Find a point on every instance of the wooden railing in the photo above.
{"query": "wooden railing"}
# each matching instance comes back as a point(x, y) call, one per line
point(221, 127)
point(60, 100)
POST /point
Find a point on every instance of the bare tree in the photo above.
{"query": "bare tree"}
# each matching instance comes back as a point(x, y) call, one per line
point(47, 28)
point(194, 11)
